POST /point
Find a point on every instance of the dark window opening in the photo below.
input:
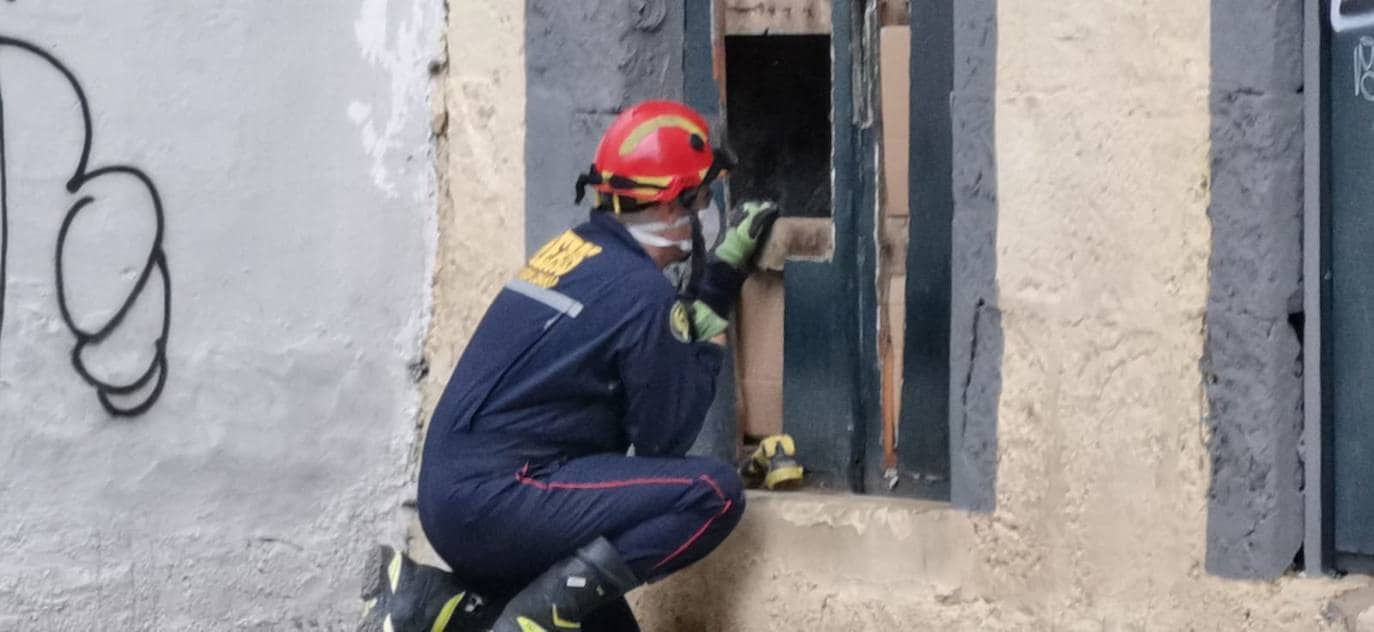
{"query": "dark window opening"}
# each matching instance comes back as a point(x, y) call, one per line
point(778, 104)
point(826, 344)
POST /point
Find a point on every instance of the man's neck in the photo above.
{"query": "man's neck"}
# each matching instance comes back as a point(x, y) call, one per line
point(662, 256)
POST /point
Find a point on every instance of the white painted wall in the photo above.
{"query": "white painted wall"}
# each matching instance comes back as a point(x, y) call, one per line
point(289, 143)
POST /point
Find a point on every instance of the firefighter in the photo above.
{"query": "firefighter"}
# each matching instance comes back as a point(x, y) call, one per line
point(526, 489)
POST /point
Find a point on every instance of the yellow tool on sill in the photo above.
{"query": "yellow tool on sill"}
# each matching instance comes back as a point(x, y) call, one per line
point(774, 464)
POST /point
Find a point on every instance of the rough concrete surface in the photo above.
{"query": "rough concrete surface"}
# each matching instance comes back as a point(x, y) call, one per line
point(289, 148)
point(1103, 284)
point(1252, 359)
point(481, 215)
point(480, 119)
point(975, 342)
point(846, 563)
point(1352, 608)
point(585, 62)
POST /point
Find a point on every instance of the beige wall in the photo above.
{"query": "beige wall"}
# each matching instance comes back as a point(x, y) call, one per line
point(482, 159)
point(1103, 245)
point(479, 117)
point(846, 563)
point(1102, 271)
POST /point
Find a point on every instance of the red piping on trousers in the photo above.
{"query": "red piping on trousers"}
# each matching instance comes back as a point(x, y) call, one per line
point(524, 479)
point(695, 536)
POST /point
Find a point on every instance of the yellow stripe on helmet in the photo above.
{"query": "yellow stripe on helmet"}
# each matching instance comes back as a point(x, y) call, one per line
point(658, 181)
point(641, 193)
point(654, 124)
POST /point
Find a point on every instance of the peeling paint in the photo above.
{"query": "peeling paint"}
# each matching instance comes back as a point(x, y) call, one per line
point(400, 48)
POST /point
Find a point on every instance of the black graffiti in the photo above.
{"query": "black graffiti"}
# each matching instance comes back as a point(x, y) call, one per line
point(156, 372)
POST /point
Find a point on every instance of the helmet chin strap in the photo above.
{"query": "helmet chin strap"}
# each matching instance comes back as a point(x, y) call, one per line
point(697, 254)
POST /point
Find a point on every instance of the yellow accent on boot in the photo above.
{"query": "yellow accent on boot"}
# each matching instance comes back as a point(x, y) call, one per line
point(369, 605)
point(393, 572)
point(564, 623)
point(446, 613)
point(387, 626)
point(527, 625)
point(779, 443)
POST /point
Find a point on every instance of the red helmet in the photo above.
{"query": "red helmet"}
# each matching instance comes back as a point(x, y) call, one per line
point(653, 152)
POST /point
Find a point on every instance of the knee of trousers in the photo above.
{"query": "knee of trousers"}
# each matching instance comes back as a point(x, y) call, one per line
point(720, 490)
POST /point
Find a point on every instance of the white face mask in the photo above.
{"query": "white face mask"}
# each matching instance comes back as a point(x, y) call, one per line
point(648, 234)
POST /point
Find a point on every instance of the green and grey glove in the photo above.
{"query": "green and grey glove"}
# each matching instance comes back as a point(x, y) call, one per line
point(695, 321)
point(706, 323)
point(744, 239)
point(726, 270)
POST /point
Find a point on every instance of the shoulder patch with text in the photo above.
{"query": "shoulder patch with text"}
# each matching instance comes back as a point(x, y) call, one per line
point(557, 258)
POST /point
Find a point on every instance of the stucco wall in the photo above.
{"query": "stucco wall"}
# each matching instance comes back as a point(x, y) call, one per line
point(479, 117)
point(1102, 270)
point(289, 148)
point(847, 563)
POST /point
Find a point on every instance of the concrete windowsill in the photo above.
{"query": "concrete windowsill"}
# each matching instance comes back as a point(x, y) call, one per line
point(763, 497)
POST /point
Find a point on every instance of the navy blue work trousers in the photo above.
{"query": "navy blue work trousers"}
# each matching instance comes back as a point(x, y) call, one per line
point(500, 531)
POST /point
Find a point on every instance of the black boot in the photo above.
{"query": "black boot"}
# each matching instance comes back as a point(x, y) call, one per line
point(400, 595)
point(569, 591)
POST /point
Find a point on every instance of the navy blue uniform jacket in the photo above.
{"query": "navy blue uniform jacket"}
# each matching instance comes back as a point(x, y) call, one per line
point(586, 351)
